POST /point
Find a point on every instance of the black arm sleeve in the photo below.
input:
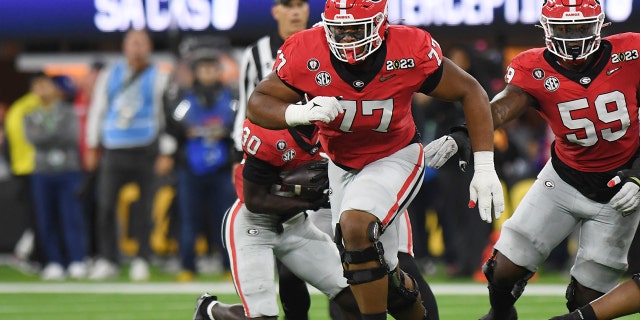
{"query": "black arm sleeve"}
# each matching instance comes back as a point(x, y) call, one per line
point(432, 81)
point(260, 172)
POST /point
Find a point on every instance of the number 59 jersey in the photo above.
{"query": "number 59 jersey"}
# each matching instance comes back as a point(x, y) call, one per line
point(377, 121)
point(593, 114)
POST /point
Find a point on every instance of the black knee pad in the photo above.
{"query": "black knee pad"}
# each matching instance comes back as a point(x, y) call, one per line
point(570, 295)
point(578, 295)
point(373, 253)
point(399, 296)
point(503, 297)
point(636, 279)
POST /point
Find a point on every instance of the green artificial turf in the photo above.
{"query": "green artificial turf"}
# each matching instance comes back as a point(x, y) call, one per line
point(26, 297)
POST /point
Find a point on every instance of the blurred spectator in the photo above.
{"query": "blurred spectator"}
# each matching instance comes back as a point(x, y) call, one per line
point(52, 129)
point(5, 169)
point(22, 161)
point(200, 119)
point(87, 190)
point(126, 123)
point(82, 101)
point(21, 152)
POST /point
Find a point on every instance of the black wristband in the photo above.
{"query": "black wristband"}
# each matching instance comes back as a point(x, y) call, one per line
point(460, 135)
point(587, 313)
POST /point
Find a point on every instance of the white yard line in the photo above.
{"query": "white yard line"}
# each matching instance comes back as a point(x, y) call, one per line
point(226, 288)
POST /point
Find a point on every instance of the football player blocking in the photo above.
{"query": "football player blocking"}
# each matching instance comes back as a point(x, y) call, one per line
point(586, 88)
point(376, 158)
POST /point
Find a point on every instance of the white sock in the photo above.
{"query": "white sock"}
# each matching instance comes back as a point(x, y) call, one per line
point(209, 307)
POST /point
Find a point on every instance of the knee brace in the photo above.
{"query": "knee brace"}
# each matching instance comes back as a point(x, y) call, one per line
point(578, 295)
point(373, 253)
point(503, 297)
point(399, 296)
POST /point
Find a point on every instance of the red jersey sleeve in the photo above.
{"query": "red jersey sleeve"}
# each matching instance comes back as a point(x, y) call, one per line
point(262, 143)
point(521, 74)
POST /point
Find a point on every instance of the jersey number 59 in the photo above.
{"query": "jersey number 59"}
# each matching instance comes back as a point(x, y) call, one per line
point(604, 104)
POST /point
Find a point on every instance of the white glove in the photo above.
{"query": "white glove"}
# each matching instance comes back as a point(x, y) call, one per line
point(320, 108)
point(627, 199)
point(437, 152)
point(485, 187)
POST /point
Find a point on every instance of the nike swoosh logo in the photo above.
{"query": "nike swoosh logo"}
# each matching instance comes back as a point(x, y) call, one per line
point(383, 78)
point(610, 72)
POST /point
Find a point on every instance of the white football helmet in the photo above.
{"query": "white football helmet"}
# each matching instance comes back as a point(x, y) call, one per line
point(363, 20)
point(572, 28)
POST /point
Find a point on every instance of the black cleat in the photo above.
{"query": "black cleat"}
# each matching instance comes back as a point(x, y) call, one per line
point(576, 315)
point(202, 303)
point(511, 315)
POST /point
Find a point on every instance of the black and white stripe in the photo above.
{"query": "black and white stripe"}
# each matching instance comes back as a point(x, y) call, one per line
point(256, 63)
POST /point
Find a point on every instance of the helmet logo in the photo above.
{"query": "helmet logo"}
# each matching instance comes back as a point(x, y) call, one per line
point(343, 17)
point(323, 78)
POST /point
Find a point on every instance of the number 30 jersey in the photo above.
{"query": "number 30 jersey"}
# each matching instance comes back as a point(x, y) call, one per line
point(377, 120)
point(593, 114)
point(278, 150)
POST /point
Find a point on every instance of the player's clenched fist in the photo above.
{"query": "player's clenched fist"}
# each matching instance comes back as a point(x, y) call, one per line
point(320, 108)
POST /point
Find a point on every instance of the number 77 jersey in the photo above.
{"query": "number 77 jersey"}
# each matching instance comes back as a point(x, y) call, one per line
point(594, 113)
point(377, 120)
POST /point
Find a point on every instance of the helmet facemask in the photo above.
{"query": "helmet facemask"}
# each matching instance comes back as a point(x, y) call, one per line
point(366, 35)
point(572, 32)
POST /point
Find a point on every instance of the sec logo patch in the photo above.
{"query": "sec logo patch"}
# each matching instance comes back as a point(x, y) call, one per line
point(289, 155)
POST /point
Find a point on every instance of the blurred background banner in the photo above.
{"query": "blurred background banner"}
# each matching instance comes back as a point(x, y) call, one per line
point(245, 20)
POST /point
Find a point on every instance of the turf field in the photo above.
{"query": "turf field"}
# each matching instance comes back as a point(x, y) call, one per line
point(159, 306)
point(27, 298)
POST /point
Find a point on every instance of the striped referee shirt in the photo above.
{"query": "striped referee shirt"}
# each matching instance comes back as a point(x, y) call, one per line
point(256, 63)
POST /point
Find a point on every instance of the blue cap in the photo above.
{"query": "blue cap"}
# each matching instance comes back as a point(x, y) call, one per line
point(66, 85)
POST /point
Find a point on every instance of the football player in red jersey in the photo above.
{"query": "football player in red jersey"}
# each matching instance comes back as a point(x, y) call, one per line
point(586, 88)
point(266, 223)
point(359, 74)
point(277, 226)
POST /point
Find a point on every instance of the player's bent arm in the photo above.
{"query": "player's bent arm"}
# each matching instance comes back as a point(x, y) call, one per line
point(269, 101)
point(622, 300)
point(458, 85)
point(259, 199)
point(509, 104)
